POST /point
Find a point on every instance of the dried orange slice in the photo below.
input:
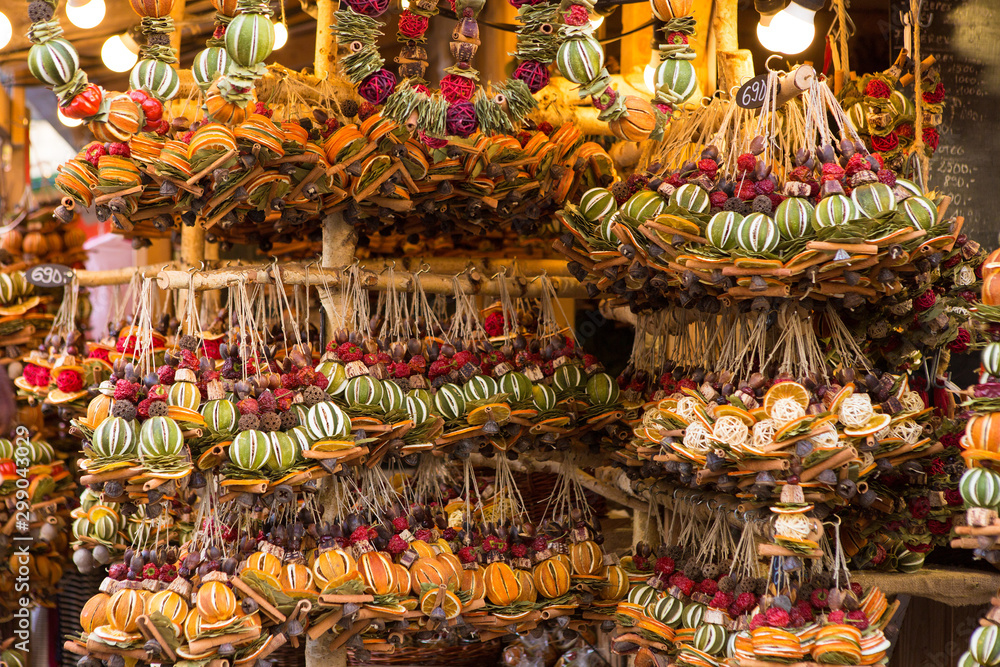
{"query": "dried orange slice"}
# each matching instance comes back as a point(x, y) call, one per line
point(498, 412)
point(449, 603)
point(838, 398)
point(733, 411)
point(871, 427)
point(781, 390)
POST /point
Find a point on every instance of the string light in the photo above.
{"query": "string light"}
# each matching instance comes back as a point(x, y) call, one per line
point(280, 35)
point(86, 14)
point(6, 30)
point(118, 53)
point(790, 30)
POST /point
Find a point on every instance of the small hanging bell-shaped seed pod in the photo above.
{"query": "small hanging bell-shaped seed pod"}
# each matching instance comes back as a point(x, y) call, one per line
point(835, 599)
point(168, 189)
point(226, 650)
point(249, 605)
point(84, 560)
point(63, 214)
point(293, 628)
point(847, 489)
point(826, 154)
point(103, 212)
point(196, 480)
point(114, 660)
point(758, 144)
point(113, 489)
point(827, 477)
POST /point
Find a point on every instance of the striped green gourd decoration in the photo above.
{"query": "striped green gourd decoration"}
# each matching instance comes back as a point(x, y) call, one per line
point(392, 396)
point(602, 389)
point(249, 38)
point(596, 204)
point(721, 230)
point(794, 217)
point(856, 115)
point(873, 198)
point(667, 610)
point(285, 450)
point(418, 409)
point(694, 613)
point(185, 395)
point(757, 233)
point(605, 232)
point(6, 449)
point(980, 487)
point(221, 417)
point(691, 196)
point(208, 65)
point(303, 439)
point(901, 104)
point(160, 436)
point(920, 212)
point(581, 59)
point(81, 527)
point(991, 361)
point(543, 397)
point(909, 186)
point(336, 375)
point(155, 77)
point(421, 394)
point(250, 450)
point(834, 210)
point(449, 401)
point(103, 528)
point(710, 638)
point(363, 390)
point(675, 80)
point(909, 561)
point(642, 206)
point(54, 62)
point(642, 595)
point(326, 420)
point(516, 385)
point(966, 660)
point(115, 437)
point(985, 645)
point(568, 377)
point(40, 452)
point(480, 387)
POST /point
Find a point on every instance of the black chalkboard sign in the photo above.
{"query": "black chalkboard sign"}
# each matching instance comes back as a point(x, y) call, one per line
point(751, 94)
point(49, 275)
point(964, 37)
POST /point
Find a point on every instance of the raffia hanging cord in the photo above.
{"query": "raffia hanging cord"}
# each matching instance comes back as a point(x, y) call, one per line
point(918, 99)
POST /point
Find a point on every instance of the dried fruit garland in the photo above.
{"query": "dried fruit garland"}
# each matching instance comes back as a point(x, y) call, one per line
point(111, 117)
point(581, 60)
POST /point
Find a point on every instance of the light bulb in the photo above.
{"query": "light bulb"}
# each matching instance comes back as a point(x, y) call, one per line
point(405, 4)
point(85, 14)
point(68, 122)
point(116, 54)
point(648, 77)
point(790, 31)
point(280, 35)
point(6, 30)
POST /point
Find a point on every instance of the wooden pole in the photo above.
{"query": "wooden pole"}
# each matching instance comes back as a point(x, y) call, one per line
point(735, 65)
point(326, 47)
point(340, 240)
point(432, 283)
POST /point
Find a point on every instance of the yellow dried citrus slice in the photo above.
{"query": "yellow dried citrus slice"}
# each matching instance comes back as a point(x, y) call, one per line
point(449, 603)
point(871, 427)
point(838, 398)
point(498, 412)
point(781, 390)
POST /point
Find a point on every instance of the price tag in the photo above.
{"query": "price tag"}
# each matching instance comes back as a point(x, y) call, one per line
point(49, 275)
point(751, 94)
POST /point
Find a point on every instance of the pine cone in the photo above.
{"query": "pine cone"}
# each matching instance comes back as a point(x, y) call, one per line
point(676, 553)
point(692, 571)
point(762, 204)
point(188, 342)
point(124, 409)
point(270, 421)
point(313, 395)
point(248, 422)
point(727, 584)
point(39, 11)
point(289, 420)
point(349, 108)
point(710, 571)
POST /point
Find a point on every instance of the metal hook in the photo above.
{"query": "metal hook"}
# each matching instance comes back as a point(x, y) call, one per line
point(767, 63)
point(424, 268)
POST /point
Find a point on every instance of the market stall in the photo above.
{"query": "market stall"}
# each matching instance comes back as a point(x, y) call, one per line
point(505, 364)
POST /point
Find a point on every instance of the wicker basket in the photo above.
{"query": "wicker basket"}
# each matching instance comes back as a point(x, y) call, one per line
point(75, 590)
point(477, 654)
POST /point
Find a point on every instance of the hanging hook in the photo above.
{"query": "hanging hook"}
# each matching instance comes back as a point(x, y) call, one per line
point(767, 63)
